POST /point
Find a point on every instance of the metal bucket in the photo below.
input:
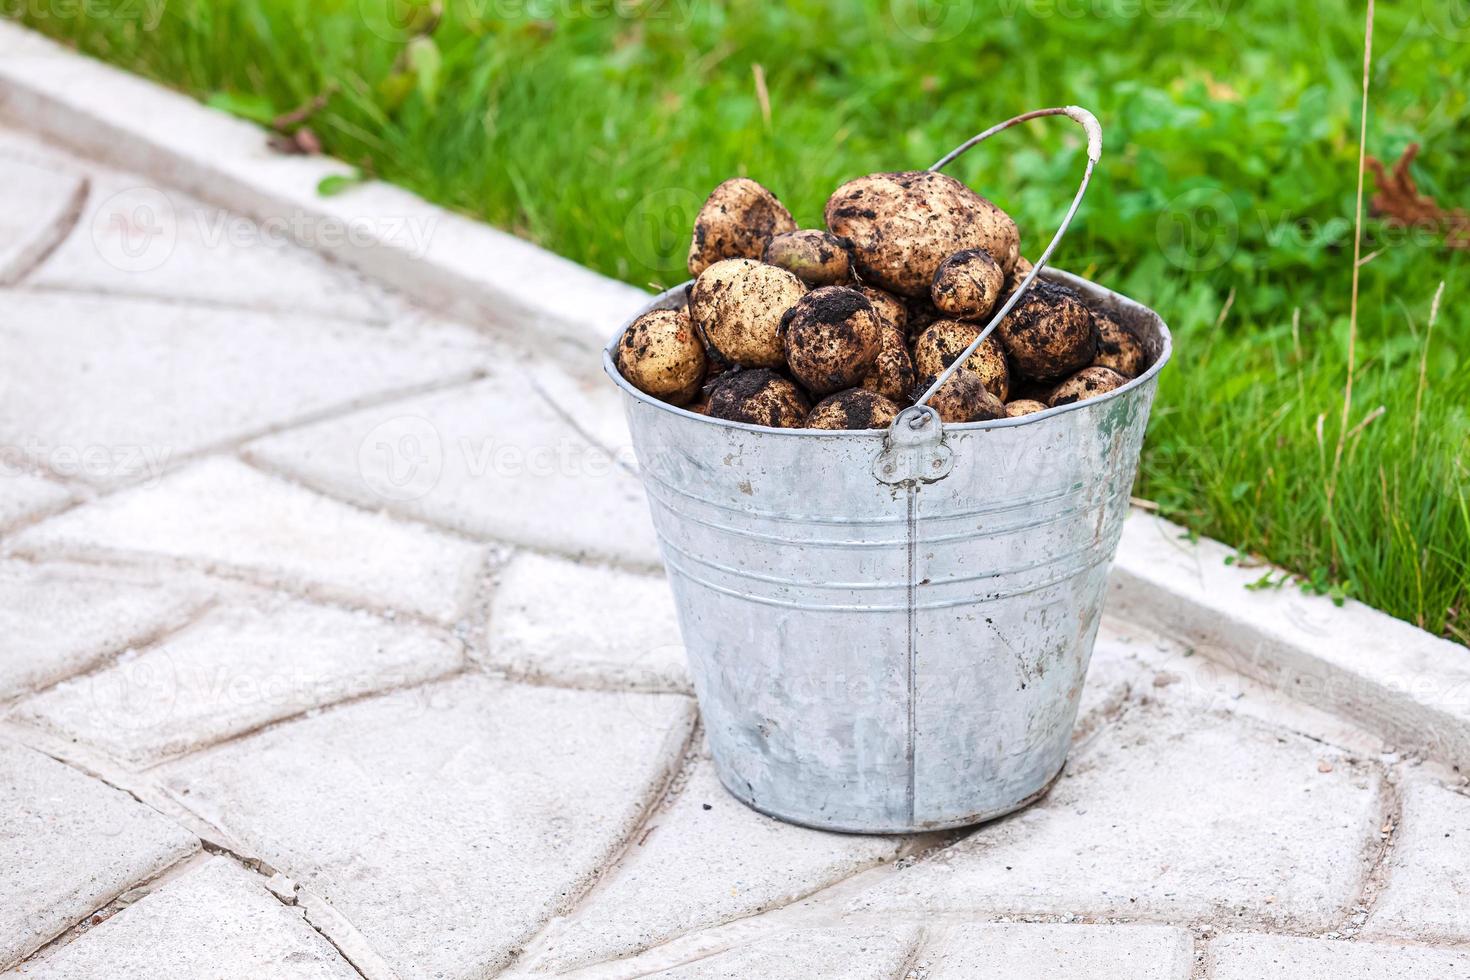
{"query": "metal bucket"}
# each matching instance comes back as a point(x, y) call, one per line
point(888, 631)
point(885, 659)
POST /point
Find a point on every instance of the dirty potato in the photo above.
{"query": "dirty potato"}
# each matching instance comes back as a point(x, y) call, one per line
point(855, 408)
point(831, 339)
point(1118, 347)
point(967, 284)
point(962, 398)
point(888, 306)
point(892, 375)
point(1050, 333)
point(945, 340)
point(1087, 383)
point(661, 355)
point(738, 304)
point(759, 397)
point(1013, 281)
point(920, 313)
point(901, 226)
point(815, 257)
point(736, 221)
point(1024, 406)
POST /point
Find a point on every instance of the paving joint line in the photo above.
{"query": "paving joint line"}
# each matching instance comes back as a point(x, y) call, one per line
point(210, 748)
point(1375, 872)
point(60, 231)
point(322, 594)
point(112, 907)
point(111, 655)
point(923, 939)
point(571, 420)
point(608, 867)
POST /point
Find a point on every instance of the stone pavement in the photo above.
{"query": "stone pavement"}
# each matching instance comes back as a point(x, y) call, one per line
point(332, 644)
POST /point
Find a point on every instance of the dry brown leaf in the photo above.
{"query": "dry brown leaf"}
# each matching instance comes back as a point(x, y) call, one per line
point(1399, 202)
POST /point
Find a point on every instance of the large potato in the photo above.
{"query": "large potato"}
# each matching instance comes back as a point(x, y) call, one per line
point(759, 397)
point(738, 304)
point(1050, 333)
point(962, 398)
point(661, 355)
point(903, 225)
point(831, 339)
point(967, 284)
point(855, 408)
point(945, 340)
point(1118, 347)
point(1087, 383)
point(736, 222)
point(815, 257)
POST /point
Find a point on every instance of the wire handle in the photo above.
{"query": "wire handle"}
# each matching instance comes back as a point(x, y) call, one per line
point(919, 415)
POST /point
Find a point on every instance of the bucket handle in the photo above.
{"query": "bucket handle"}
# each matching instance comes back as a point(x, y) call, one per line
point(914, 449)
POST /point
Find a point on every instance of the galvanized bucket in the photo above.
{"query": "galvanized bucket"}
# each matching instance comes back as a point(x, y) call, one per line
point(888, 632)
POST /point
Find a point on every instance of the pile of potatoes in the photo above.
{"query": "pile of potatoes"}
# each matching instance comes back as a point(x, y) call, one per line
point(841, 329)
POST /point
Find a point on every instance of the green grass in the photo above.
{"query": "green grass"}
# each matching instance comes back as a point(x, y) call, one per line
point(1229, 172)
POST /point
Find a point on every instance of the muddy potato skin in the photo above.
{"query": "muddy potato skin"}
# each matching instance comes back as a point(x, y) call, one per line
point(944, 340)
point(962, 398)
point(1019, 272)
point(738, 304)
point(967, 284)
point(892, 375)
point(855, 408)
point(1024, 406)
point(831, 338)
point(736, 221)
point(1050, 333)
point(815, 257)
point(889, 307)
point(1087, 383)
point(921, 313)
point(903, 225)
point(759, 397)
point(1117, 347)
point(661, 355)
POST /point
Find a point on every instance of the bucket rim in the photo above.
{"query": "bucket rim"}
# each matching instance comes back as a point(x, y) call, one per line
point(1166, 349)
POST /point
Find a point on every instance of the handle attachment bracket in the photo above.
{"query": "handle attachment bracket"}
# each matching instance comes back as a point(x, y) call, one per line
point(913, 450)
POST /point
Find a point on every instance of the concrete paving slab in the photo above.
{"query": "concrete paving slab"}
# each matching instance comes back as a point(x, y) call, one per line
point(449, 823)
point(69, 844)
point(222, 514)
point(241, 666)
point(215, 921)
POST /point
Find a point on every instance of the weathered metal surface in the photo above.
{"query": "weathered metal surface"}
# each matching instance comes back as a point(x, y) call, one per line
point(880, 656)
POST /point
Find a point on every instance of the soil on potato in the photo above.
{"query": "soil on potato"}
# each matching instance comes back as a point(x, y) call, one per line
point(1044, 332)
point(757, 397)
